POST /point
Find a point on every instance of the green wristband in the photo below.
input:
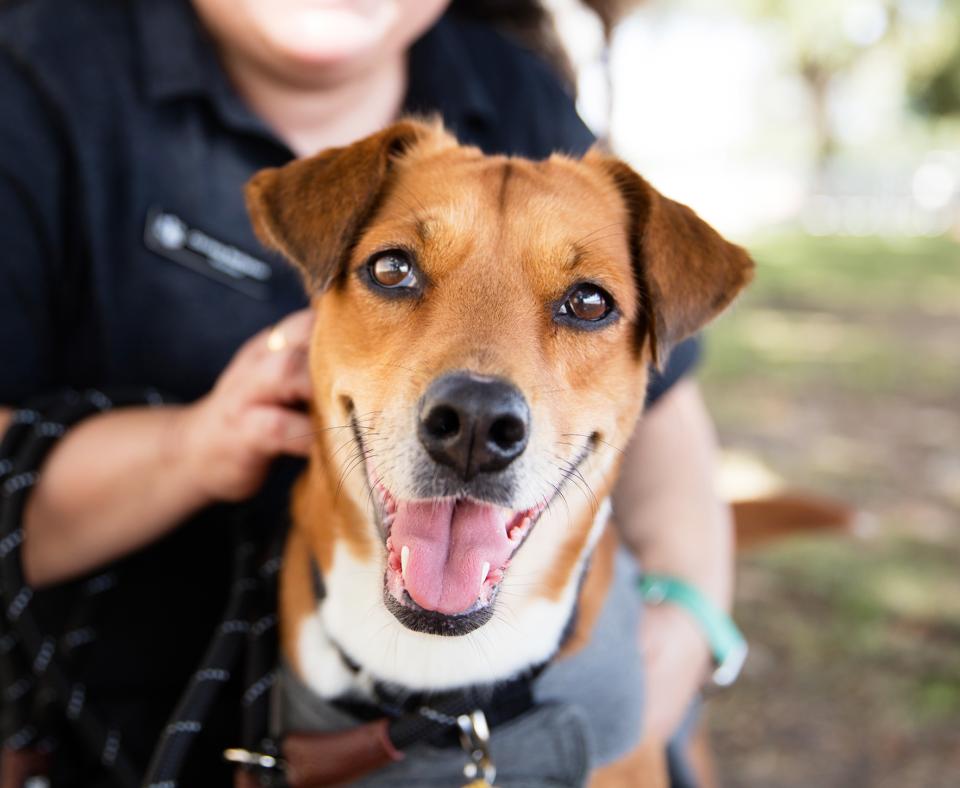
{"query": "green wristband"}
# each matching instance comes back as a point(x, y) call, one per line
point(727, 644)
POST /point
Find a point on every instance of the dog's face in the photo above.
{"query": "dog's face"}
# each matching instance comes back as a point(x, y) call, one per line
point(484, 329)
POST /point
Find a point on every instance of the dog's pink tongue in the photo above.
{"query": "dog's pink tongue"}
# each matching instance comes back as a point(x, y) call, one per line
point(449, 543)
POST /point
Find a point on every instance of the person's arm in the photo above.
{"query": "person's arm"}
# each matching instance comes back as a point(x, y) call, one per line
point(668, 511)
point(119, 481)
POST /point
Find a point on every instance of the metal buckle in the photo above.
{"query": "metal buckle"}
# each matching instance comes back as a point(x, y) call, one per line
point(258, 760)
point(475, 740)
point(727, 671)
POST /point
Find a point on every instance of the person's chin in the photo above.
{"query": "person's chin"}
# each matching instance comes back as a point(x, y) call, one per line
point(332, 36)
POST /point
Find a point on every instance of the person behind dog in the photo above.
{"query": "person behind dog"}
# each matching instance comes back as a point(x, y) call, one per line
point(128, 130)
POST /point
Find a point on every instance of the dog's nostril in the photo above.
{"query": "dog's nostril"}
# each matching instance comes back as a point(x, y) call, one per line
point(507, 431)
point(442, 422)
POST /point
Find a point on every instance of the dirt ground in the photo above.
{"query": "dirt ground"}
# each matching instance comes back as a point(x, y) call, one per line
point(840, 373)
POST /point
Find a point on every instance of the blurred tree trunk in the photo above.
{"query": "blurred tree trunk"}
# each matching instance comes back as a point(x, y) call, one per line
point(817, 78)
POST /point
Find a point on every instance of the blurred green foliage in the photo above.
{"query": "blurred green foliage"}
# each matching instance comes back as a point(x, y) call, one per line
point(934, 75)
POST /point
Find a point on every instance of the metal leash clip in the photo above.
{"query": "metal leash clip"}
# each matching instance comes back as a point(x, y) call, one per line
point(267, 764)
point(475, 740)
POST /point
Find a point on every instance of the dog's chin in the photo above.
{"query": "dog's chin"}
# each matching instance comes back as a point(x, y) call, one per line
point(430, 622)
point(446, 559)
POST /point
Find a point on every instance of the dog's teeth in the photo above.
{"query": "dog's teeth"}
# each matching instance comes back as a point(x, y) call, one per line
point(404, 561)
point(484, 571)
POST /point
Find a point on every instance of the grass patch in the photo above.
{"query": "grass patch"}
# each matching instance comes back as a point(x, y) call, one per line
point(864, 316)
point(898, 274)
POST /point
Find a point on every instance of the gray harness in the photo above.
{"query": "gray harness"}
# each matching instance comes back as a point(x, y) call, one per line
point(587, 711)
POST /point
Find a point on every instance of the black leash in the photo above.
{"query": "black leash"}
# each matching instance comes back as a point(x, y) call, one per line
point(40, 691)
point(37, 679)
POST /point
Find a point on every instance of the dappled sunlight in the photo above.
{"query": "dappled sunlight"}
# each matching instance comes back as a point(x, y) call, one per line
point(745, 475)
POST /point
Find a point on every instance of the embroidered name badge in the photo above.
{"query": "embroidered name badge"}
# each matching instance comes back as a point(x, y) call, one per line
point(171, 237)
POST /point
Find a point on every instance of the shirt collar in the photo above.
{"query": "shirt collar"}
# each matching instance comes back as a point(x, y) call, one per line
point(177, 57)
point(179, 60)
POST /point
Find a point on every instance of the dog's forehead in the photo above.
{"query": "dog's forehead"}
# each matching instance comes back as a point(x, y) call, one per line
point(559, 198)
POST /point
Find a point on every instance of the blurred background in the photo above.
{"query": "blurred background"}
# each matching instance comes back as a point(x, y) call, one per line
point(825, 136)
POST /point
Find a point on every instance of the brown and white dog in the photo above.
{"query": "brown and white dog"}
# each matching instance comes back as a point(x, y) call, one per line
point(484, 328)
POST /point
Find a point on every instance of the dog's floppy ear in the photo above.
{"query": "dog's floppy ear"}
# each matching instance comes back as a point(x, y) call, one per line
point(687, 273)
point(311, 210)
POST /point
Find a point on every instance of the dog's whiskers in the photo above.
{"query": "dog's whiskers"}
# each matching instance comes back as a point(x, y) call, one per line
point(557, 493)
point(358, 460)
point(576, 478)
point(599, 239)
point(594, 438)
point(580, 241)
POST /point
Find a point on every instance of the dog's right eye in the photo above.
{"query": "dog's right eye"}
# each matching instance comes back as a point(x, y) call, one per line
point(393, 270)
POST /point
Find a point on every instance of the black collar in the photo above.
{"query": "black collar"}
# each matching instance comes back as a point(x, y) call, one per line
point(432, 717)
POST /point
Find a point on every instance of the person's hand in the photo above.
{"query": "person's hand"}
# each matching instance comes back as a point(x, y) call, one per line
point(228, 438)
point(677, 660)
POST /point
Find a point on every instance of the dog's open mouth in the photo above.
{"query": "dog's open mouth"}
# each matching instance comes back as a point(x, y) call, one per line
point(446, 558)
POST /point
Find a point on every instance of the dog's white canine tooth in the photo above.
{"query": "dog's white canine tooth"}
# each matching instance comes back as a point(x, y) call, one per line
point(484, 571)
point(404, 561)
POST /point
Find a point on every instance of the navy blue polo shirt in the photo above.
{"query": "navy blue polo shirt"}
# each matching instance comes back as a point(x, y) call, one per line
point(126, 255)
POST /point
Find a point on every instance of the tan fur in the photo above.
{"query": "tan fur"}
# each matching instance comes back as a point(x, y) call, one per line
point(572, 548)
point(643, 767)
point(324, 513)
point(596, 583)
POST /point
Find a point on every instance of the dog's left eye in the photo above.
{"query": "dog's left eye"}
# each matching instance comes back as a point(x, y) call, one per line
point(393, 270)
point(587, 303)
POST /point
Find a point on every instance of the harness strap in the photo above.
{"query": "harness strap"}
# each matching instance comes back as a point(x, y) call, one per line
point(318, 759)
point(18, 766)
point(313, 760)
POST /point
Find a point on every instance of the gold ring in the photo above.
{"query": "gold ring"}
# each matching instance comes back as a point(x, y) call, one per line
point(276, 339)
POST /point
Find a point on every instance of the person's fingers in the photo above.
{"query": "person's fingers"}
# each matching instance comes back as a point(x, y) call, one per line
point(297, 385)
point(296, 328)
point(293, 331)
point(269, 370)
point(276, 430)
point(281, 377)
point(300, 437)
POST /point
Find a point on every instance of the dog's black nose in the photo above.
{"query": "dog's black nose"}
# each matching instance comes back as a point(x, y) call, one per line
point(473, 424)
